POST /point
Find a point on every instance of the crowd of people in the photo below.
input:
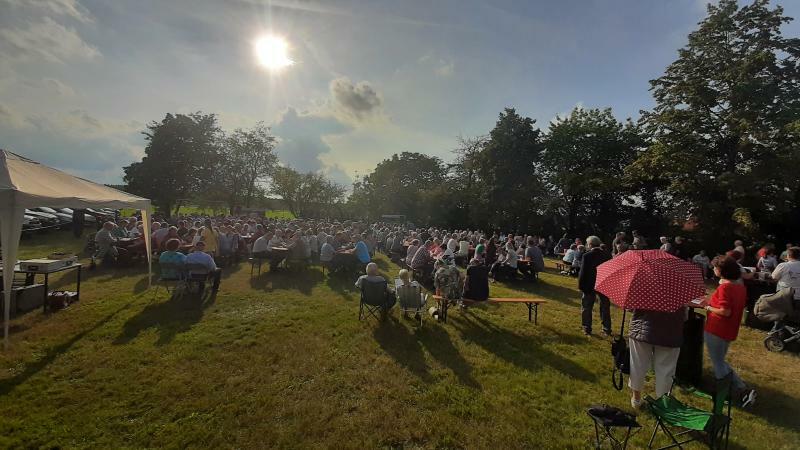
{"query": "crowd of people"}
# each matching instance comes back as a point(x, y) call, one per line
point(461, 264)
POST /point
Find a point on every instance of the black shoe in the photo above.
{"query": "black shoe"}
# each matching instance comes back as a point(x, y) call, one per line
point(607, 333)
point(587, 333)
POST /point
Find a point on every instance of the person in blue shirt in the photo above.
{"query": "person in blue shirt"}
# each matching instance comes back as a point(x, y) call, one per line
point(362, 251)
point(172, 256)
point(200, 257)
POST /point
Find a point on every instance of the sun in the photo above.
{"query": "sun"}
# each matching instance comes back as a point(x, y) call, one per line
point(272, 52)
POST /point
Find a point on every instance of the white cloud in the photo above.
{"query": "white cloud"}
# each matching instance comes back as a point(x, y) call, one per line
point(442, 67)
point(58, 87)
point(68, 8)
point(45, 39)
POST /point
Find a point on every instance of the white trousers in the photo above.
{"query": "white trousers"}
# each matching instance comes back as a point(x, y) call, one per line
point(662, 360)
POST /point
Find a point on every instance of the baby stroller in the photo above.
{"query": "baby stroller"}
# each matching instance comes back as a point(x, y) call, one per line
point(783, 309)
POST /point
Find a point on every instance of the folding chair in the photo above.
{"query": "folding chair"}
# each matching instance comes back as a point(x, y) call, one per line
point(173, 275)
point(373, 300)
point(714, 425)
point(196, 274)
point(412, 299)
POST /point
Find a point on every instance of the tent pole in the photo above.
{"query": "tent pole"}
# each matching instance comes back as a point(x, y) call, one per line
point(10, 231)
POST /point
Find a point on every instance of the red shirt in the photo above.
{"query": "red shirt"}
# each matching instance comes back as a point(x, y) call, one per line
point(732, 296)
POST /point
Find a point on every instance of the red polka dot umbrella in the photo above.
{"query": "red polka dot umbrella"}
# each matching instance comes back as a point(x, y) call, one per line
point(649, 279)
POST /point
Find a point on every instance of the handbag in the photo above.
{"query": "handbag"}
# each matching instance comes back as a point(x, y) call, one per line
point(621, 356)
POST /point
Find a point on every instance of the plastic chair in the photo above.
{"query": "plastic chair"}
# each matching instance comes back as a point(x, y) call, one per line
point(412, 299)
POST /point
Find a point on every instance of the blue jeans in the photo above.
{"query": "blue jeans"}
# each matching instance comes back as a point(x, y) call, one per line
point(717, 349)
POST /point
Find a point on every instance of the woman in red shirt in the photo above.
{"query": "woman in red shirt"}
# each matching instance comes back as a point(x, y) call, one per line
point(724, 315)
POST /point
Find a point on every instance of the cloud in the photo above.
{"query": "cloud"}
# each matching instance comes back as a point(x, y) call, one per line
point(74, 141)
point(68, 8)
point(301, 143)
point(358, 101)
point(45, 39)
point(442, 67)
point(58, 87)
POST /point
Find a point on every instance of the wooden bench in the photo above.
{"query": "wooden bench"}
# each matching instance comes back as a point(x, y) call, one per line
point(531, 303)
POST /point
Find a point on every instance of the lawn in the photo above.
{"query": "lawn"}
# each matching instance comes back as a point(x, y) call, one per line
point(280, 360)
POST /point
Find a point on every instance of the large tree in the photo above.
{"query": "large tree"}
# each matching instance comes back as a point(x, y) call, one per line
point(179, 159)
point(723, 121)
point(246, 161)
point(397, 186)
point(584, 159)
point(306, 194)
point(509, 168)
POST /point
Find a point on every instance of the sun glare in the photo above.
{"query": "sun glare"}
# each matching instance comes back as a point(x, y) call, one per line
point(272, 52)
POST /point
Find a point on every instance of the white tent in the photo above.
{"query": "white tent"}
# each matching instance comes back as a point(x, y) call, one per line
point(28, 184)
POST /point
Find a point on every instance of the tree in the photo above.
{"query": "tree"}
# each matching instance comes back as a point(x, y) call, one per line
point(584, 160)
point(179, 159)
point(723, 119)
point(306, 194)
point(247, 160)
point(464, 173)
point(509, 170)
point(397, 184)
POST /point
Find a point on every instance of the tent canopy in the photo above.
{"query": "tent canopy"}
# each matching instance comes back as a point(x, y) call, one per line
point(27, 184)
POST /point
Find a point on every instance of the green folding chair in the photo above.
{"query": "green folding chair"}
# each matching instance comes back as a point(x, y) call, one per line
point(678, 420)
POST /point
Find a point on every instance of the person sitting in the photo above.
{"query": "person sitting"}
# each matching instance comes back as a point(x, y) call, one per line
point(106, 246)
point(120, 231)
point(228, 243)
point(412, 250)
point(533, 254)
point(200, 257)
point(785, 254)
point(172, 256)
point(297, 249)
point(373, 276)
point(417, 302)
point(476, 284)
point(172, 233)
point(422, 262)
point(448, 281)
point(768, 262)
point(327, 250)
point(787, 274)
point(702, 260)
point(577, 261)
point(361, 250)
point(506, 265)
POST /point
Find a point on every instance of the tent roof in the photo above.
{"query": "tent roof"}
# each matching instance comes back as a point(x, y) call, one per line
point(27, 184)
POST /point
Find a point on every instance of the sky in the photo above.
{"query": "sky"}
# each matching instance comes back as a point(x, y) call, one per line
point(81, 79)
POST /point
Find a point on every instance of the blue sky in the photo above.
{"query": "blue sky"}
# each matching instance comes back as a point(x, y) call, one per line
point(79, 79)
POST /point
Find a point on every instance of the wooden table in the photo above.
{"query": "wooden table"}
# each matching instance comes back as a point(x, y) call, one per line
point(531, 303)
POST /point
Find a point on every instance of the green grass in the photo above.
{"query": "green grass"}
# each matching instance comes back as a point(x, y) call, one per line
point(281, 360)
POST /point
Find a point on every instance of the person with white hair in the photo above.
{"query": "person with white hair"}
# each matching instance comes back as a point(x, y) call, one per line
point(586, 281)
point(373, 276)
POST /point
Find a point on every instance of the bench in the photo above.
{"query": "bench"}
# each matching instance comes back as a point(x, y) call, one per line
point(531, 303)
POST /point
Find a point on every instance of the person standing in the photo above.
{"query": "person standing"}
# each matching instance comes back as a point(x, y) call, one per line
point(655, 341)
point(724, 316)
point(586, 280)
point(78, 222)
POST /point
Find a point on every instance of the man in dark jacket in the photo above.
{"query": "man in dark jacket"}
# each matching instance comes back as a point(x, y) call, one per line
point(586, 279)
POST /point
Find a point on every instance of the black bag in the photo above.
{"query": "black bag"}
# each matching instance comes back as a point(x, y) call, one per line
point(622, 357)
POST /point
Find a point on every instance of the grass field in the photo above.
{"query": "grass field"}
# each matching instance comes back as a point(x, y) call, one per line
point(281, 360)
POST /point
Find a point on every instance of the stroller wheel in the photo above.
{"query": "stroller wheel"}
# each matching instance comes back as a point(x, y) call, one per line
point(774, 343)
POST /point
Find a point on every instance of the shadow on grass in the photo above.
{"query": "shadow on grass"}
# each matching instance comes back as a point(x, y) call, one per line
point(170, 317)
point(284, 279)
point(344, 285)
point(407, 349)
point(8, 385)
point(524, 352)
point(399, 343)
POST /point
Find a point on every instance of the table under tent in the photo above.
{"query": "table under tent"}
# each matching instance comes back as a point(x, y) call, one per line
point(28, 184)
